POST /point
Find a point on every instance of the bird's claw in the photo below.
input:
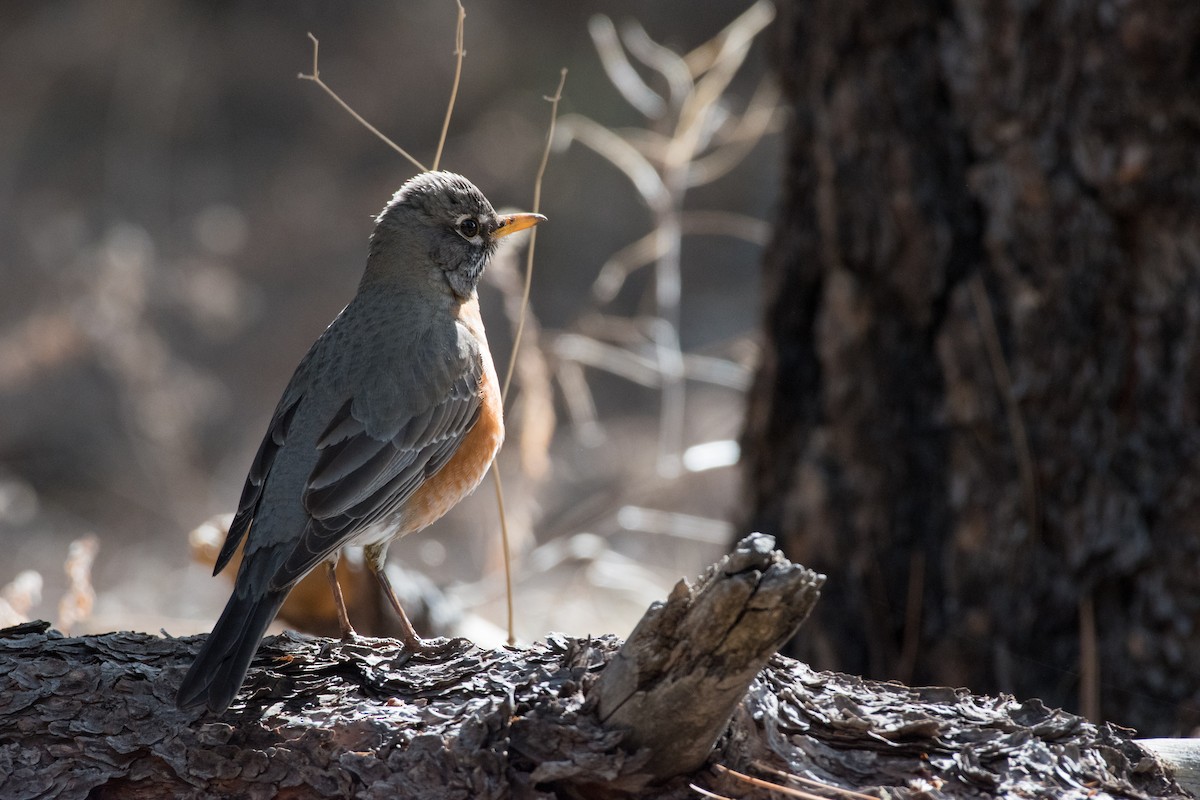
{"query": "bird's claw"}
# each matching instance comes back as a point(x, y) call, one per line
point(436, 647)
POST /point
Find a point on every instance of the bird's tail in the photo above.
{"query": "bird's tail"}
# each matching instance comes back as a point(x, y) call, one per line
point(219, 669)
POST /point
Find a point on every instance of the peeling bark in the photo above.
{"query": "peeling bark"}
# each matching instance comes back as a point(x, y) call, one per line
point(688, 663)
point(94, 717)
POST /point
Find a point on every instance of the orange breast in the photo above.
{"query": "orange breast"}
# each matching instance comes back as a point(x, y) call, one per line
point(466, 468)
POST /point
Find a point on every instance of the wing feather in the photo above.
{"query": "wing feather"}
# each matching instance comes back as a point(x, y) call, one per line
point(362, 479)
point(264, 459)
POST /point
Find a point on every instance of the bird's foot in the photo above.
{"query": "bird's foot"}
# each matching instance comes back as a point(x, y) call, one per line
point(351, 636)
point(435, 647)
point(354, 643)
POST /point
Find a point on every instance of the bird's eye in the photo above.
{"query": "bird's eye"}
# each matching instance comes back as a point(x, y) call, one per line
point(469, 227)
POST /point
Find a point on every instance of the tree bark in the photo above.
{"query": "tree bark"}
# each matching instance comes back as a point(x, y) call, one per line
point(977, 410)
point(94, 717)
point(676, 681)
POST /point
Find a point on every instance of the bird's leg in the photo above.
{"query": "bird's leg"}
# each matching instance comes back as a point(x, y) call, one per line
point(375, 556)
point(348, 633)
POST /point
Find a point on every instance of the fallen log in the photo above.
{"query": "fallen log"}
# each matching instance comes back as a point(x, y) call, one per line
point(93, 716)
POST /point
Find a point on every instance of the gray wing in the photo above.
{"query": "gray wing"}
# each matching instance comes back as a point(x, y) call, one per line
point(260, 468)
point(367, 468)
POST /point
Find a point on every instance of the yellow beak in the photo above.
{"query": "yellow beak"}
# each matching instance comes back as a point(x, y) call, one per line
point(516, 222)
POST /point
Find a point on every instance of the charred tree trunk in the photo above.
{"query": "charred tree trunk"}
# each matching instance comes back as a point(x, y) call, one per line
point(978, 406)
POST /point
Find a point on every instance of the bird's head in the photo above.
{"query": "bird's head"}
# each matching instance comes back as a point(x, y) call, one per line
point(441, 221)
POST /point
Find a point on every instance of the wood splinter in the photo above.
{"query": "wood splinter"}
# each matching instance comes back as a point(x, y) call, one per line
point(678, 678)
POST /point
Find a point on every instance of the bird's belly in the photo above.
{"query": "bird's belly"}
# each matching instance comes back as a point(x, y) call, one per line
point(462, 473)
point(455, 480)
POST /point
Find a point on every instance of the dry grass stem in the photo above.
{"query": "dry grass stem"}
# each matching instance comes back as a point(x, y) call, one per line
point(775, 787)
point(315, 77)
point(512, 362)
point(505, 551)
point(834, 790)
point(554, 100)
point(459, 53)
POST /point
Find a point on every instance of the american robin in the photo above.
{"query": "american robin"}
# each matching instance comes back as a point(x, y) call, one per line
point(392, 417)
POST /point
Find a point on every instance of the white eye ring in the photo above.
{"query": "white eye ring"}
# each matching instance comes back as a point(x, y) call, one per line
point(468, 228)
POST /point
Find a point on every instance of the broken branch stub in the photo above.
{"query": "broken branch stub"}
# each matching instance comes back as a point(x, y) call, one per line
point(677, 680)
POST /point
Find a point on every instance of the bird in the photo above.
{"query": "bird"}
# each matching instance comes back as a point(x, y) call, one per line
point(392, 417)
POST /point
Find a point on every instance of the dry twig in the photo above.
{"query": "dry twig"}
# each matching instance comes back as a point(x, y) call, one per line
point(512, 361)
point(663, 168)
point(459, 53)
point(315, 77)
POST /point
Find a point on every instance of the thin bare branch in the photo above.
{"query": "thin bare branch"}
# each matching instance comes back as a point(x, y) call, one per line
point(651, 144)
point(644, 370)
point(839, 791)
point(716, 371)
point(726, 223)
point(775, 787)
point(661, 59)
point(611, 277)
point(611, 328)
point(695, 125)
point(671, 523)
point(459, 52)
point(663, 185)
point(537, 202)
point(670, 359)
point(622, 74)
point(508, 592)
point(751, 21)
point(762, 116)
point(581, 406)
point(730, 49)
point(533, 410)
point(620, 153)
point(610, 358)
point(620, 265)
point(700, 116)
point(315, 77)
point(512, 361)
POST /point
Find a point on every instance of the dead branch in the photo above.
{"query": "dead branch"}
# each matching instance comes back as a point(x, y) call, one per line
point(93, 716)
point(688, 663)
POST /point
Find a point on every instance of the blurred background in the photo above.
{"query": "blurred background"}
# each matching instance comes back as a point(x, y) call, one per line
point(180, 217)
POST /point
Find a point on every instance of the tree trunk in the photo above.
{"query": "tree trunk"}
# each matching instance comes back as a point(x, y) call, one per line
point(978, 405)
